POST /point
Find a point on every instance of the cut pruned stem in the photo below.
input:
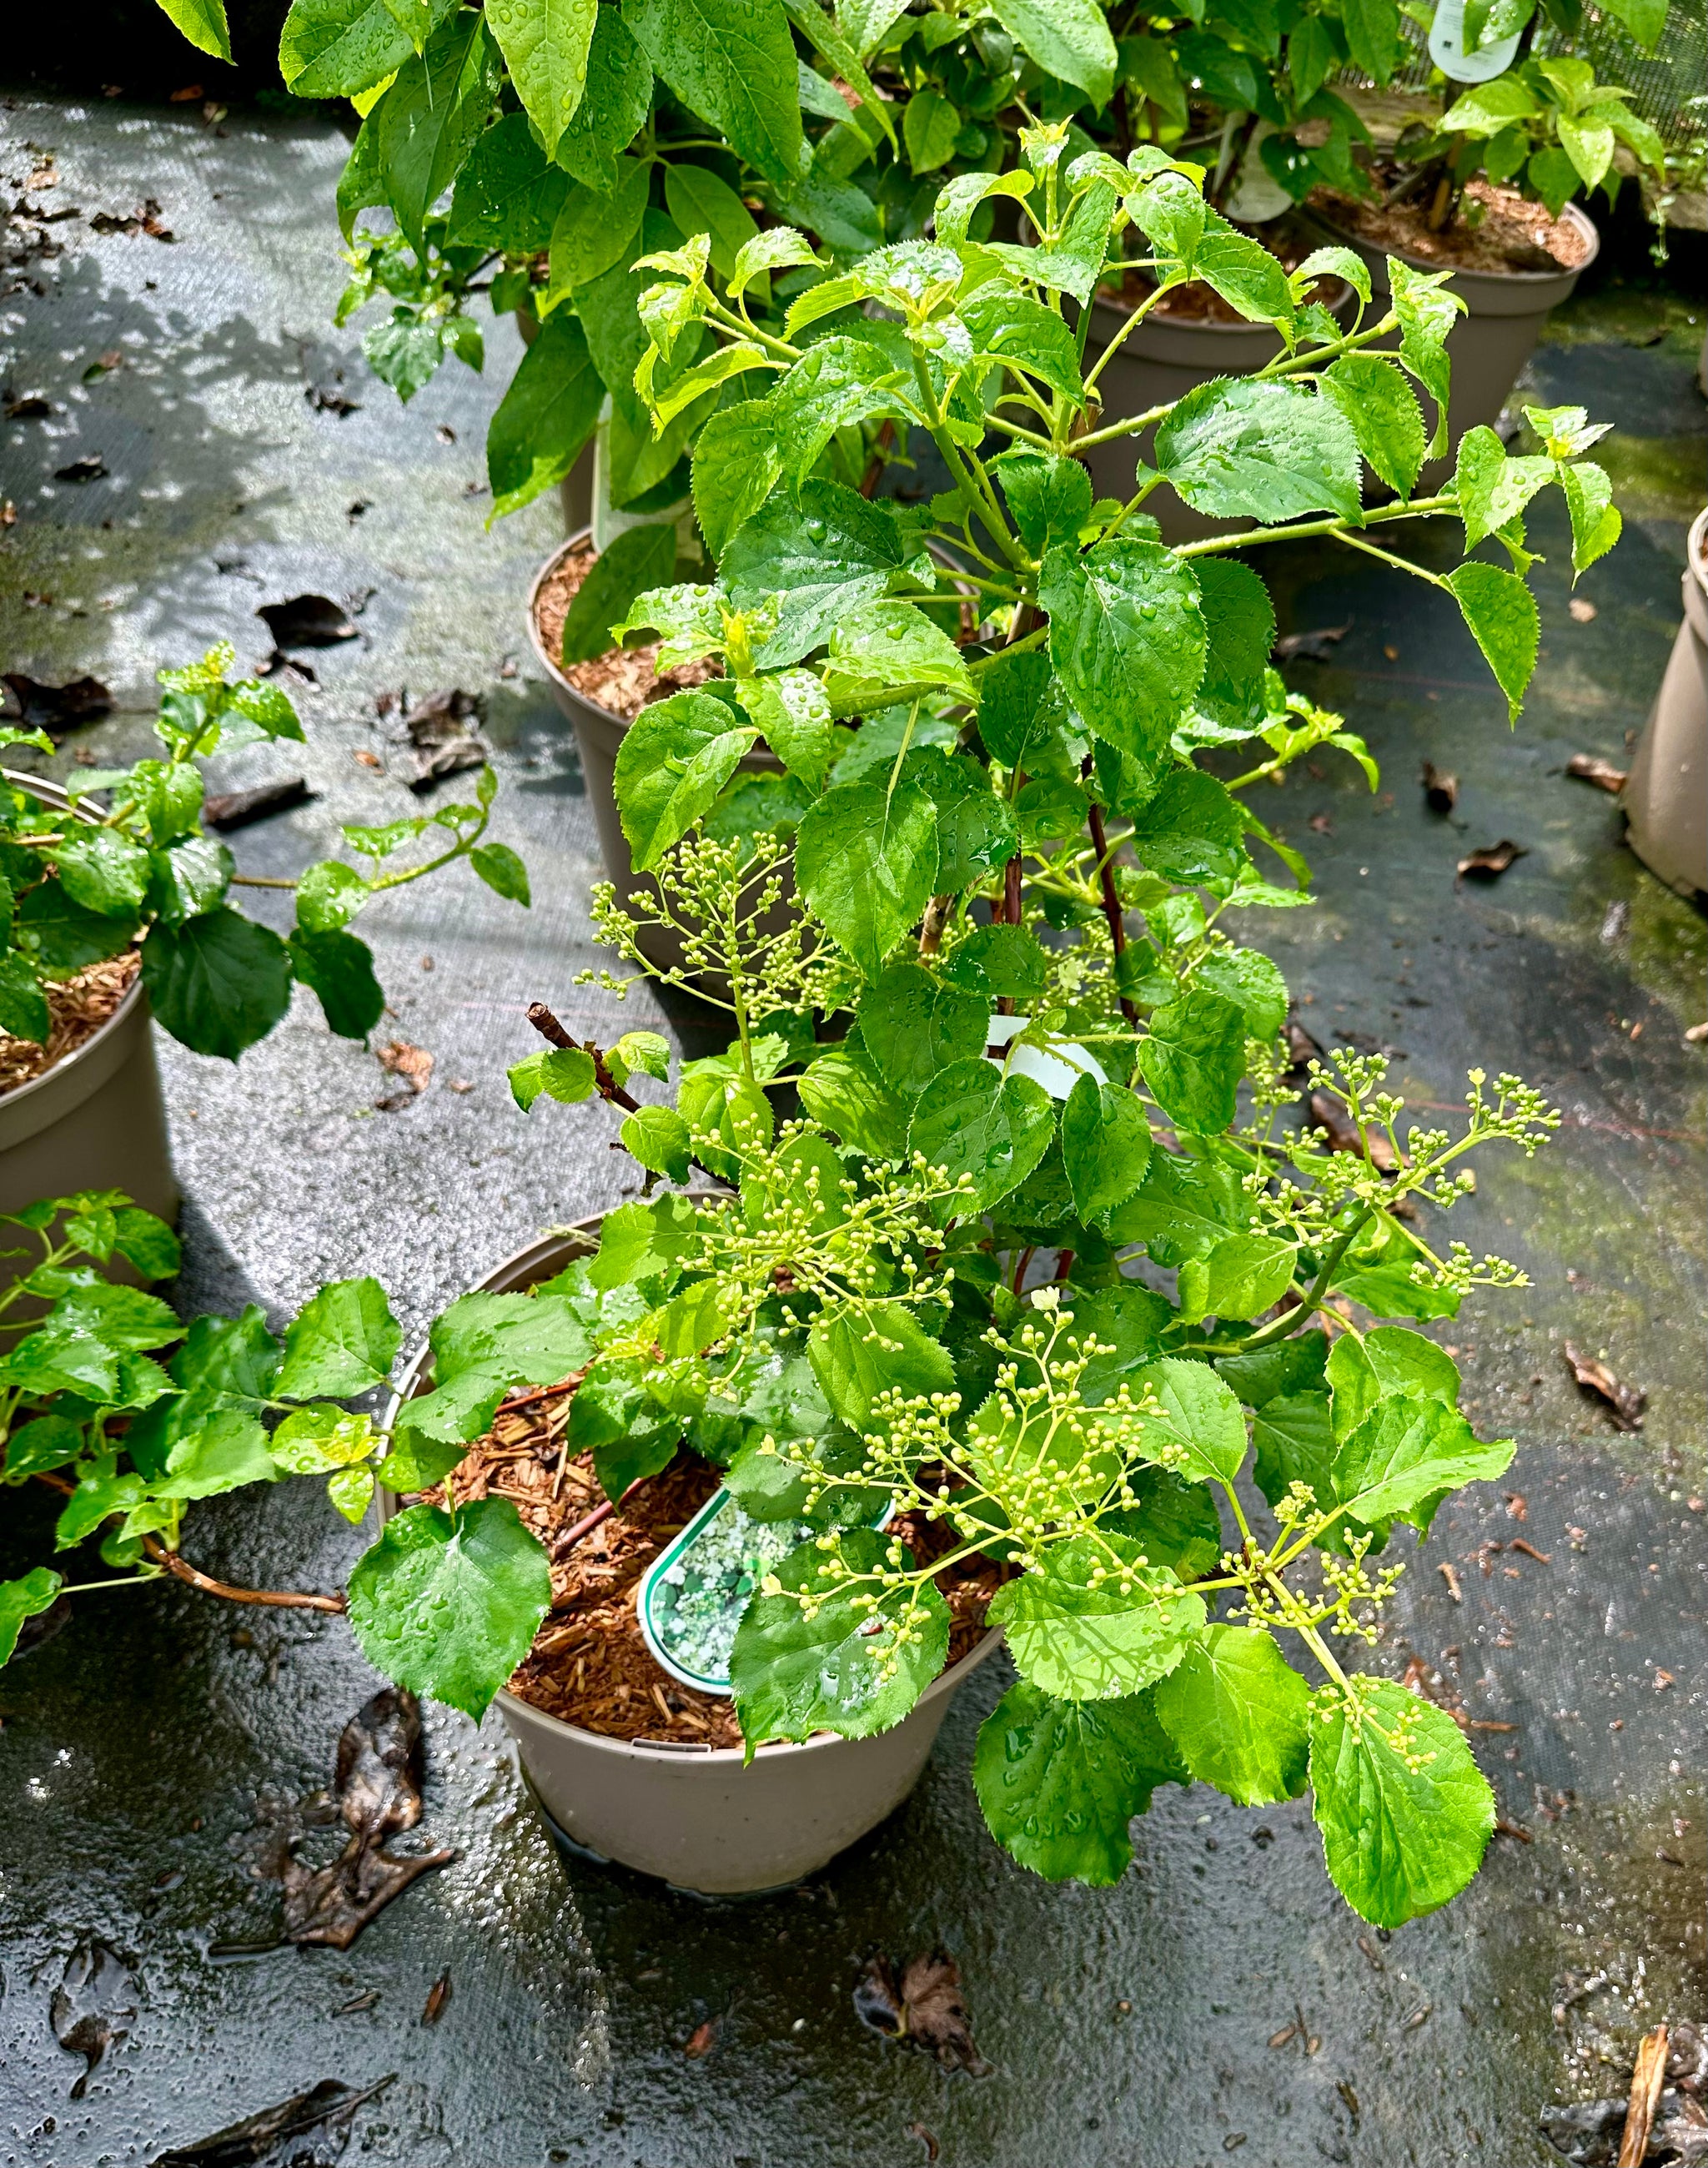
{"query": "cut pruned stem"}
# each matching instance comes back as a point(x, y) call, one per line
point(273, 1599)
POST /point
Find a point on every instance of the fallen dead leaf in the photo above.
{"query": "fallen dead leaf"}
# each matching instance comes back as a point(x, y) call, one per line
point(55, 709)
point(438, 1994)
point(1301, 1048)
point(237, 809)
point(925, 2007)
point(96, 1994)
point(442, 729)
point(1581, 610)
point(1449, 1574)
point(926, 2138)
point(306, 621)
point(1590, 767)
point(322, 2117)
point(377, 1786)
point(1646, 2079)
point(368, 759)
point(1624, 1402)
point(413, 1064)
point(1391, 653)
point(1340, 1133)
point(1493, 860)
point(1696, 1034)
point(92, 467)
point(188, 95)
point(702, 2040)
point(31, 407)
point(1321, 823)
point(327, 399)
point(1663, 1680)
point(1441, 789)
point(459, 1085)
point(1316, 646)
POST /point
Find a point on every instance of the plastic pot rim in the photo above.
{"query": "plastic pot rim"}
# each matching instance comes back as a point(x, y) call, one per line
point(539, 1253)
point(1501, 275)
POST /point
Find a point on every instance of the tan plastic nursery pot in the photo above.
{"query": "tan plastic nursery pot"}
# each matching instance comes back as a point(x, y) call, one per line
point(1491, 343)
point(1665, 793)
point(698, 1818)
point(96, 1119)
point(1159, 361)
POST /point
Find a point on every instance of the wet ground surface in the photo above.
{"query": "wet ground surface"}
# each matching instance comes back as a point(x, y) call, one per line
point(1220, 2000)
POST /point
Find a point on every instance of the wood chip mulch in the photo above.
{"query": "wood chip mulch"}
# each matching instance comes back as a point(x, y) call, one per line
point(589, 1665)
point(627, 679)
point(78, 1007)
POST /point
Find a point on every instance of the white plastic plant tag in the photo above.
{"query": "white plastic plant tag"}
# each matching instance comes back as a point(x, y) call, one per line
point(1257, 196)
point(1447, 47)
point(1058, 1070)
point(694, 1592)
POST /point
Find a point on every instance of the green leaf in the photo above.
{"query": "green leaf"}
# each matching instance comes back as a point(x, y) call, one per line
point(794, 716)
point(314, 1440)
point(1240, 1715)
point(886, 653)
point(119, 1316)
point(1407, 1452)
point(716, 1100)
point(1492, 489)
point(97, 1498)
point(449, 1607)
point(1050, 499)
point(1387, 1361)
point(1202, 1426)
point(187, 878)
point(508, 195)
point(1501, 615)
point(430, 118)
point(1127, 636)
point(1031, 340)
point(60, 936)
point(1183, 1209)
point(1239, 448)
point(973, 1120)
point(793, 1673)
point(1405, 1813)
point(977, 832)
point(914, 1024)
point(1596, 520)
point(1247, 978)
point(733, 63)
point(1068, 38)
point(1246, 1273)
point(104, 871)
point(835, 384)
point(546, 418)
point(1192, 1056)
point(737, 466)
point(676, 757)
point(35, 1592)
point(637, 1241)
point(1200, 241)
point(866, 860)
point(351, 1490)
point(1093, 1622)
point(1426, 313)
point(593, 233)
point(1383, 410)
point(1175, 1522)
point(202, 23)
point(858, 1353)
point(701, 202)
point(342, 1341)
point(225, 1366)
point(1059, 1782)
point(544, 44)
point(502, 871)
point(1373, 37)
point(658, 1138)
point(1106, 1147)
point(841, 1088)
point(614, 104)
point(1239, 625)
point(563, 1073)
point(825, 557)
point(36, 1447)
point(218, 983)
point(338, 48)
point(23, 1010)
point(147, 1242)
point(338, 969)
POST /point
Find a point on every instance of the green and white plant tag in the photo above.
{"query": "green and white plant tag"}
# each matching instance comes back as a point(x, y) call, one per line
point(1447, 47)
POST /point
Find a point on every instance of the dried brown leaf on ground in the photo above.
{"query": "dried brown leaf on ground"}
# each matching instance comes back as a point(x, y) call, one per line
point(328, 399)
point(1647, 2081)
point(237, 809)
point(1340, 1133)
point(306, 621)
point(1316, 646)
point(55, 709)
point(31, 407)
point(442, 729)
point(1625, 1404)
point(91, 467)
point(96, 1994)
point(1301, 1048)
point(309, 2127)
point(1581, 610)
point(1492, 860)
point(376, 1783)
point(1321, 823)
point(927, 2138)
point(924, 2006)
point(1441, 789)
point(413, 1064)
point(1590, 767)
point(702, 2040)
point(438, 1994)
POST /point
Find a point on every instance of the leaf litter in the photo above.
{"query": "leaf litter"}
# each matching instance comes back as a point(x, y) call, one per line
point(376, 1792)
point(97, 1993)
point(1316, 646)
point(1492, 860)
point(1625, 1404)
point(309, 2130)
point(441, 728)
point(306, 621)
point(413, 1064)
point(55, 709)
point(1440, 789)
point(924, 2007)
point(1590, 767)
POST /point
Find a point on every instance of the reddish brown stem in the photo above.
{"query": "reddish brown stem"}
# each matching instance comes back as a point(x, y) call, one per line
point(273, 1599)
point(1026, 1258)
point(545, 1393)
point(1111, 902)
point(547, 1025)
point(1064, 1263)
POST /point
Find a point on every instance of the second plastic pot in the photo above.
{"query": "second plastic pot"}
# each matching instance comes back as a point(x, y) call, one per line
point(1665, 793)
point(701, 1818)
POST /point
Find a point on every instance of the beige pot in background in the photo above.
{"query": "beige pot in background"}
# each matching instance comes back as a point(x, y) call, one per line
point(1665, 793)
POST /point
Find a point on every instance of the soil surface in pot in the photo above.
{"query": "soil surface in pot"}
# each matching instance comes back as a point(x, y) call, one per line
point(1287, 239)
point(589, 1665)
point(78, 1007)
point(625, 680)
point(1512, 234)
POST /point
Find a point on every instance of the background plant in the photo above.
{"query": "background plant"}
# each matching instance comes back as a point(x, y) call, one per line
point(131, 863)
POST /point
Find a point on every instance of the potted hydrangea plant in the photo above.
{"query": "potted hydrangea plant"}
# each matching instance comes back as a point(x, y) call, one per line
point(116, 903)
point(1040, 1312)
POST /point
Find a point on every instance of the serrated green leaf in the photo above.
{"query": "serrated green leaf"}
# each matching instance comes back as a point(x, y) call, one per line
point(825, 557)
point(615, 103)
point(1127, 637)
point(544, 44)
point(508, 193)
point(676, 757)
point(546, 418)
point(1192, 1056)
point(217, 983)
point(338, 970)
point(449, 1606)
point(1106, 1147)
point(866, 860)
point(32, 1593)
point(733, 63)
point(342, 1341)
point(1059, 1782)
point(1201, 1426)
point(1092, 1624)
point(313, 1441)
point(430, 118)
point(856, 1354)
point(841, 1088)
point(1408, 1451)
point(1240, 1715)
point(658, 1138)
point(913, 1024)
point(1239, 448)
point(563, 1073)
point(971, 1120)
point(1501, 615)
point(1383, 410)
